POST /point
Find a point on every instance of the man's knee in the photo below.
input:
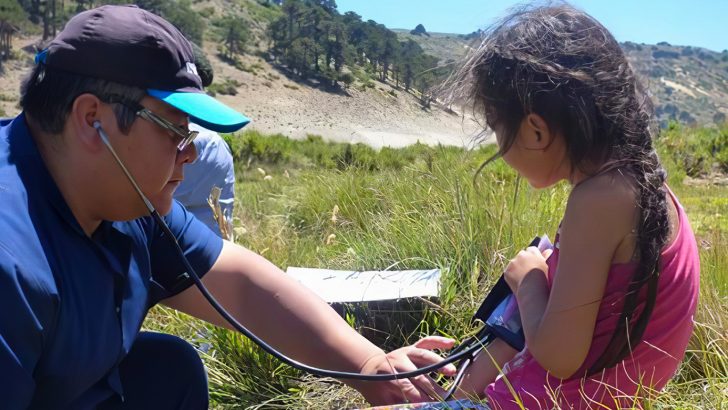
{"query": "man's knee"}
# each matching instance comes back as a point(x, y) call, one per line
point(176, 356)
point(164, 371)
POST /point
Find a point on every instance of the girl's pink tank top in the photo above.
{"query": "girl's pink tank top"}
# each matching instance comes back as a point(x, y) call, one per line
point(653, 361)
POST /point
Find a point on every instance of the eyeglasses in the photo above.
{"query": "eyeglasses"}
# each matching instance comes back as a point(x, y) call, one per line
point(185, 136)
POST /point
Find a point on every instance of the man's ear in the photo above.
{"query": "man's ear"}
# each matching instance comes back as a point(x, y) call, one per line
point(86, 109)
point(539, 137)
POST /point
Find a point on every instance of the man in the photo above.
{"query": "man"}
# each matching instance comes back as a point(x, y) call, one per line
point(81, 262)
point(213, 167)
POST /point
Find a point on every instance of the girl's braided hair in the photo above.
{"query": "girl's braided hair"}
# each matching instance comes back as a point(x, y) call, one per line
point(560, 63)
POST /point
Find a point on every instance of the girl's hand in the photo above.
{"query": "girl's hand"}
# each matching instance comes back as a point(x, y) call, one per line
point(527, 261)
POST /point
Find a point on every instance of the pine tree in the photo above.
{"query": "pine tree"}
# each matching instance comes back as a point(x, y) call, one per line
point(235, 35)
point(12, 16)
point(292, 10)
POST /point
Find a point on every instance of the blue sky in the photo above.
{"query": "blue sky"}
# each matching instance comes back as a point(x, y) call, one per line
point(702, 23)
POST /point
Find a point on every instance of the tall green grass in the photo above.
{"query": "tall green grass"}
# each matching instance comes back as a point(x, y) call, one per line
point(350, 207)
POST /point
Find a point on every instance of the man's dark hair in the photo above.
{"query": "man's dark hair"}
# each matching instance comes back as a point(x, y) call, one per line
point(47, 96)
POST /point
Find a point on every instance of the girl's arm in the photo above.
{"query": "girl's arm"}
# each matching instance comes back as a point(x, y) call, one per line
point(484, 369)
point(559, 324)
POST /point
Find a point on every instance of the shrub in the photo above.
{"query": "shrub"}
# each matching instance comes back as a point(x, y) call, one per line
point(359, 156)
point(347, 79)
point(665, 54)
point(188, 21)
point(207, 12)
point(367, 84)
point(257, 147)
point(227, 87)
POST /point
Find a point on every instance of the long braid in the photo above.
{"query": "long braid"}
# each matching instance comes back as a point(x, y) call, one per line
point(651, 236)
point(652, 231)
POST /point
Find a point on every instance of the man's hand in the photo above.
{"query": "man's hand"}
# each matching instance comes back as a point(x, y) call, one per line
point(405, 359)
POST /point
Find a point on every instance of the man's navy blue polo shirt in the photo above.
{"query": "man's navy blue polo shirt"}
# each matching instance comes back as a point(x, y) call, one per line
point(72, 305)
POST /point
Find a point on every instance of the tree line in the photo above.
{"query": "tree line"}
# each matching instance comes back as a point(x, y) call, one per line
point(313, 39)
point(52, 15)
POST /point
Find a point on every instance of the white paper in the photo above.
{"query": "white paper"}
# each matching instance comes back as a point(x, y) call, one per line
point(336, 286)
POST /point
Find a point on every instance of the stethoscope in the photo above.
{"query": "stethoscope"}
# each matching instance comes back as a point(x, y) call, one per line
point(465, 352)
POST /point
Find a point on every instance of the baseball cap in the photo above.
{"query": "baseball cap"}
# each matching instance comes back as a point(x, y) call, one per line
point(131, 46)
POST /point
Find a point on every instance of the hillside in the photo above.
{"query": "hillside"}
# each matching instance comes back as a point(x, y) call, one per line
point(378, 116)
point(688, 84)
point(280, 101)
point(449, 48)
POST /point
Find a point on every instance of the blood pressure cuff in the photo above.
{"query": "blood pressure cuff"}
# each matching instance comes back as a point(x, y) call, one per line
point(499, 311)
point(505, 323)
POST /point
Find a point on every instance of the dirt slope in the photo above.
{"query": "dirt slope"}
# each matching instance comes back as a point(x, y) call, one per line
point(382, 116)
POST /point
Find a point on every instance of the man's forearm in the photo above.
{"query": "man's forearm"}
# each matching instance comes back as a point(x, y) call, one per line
point(299, 323)
point(279, 310)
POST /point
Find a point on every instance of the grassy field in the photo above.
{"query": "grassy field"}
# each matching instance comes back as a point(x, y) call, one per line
point(316, 204)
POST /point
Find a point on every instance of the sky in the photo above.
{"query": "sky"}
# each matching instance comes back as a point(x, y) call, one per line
point(701, 23)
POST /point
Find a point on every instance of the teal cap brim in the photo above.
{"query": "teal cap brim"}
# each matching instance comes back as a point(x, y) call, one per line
point(203, 110)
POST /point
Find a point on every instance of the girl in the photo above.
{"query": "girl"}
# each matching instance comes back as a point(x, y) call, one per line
point(607, 316)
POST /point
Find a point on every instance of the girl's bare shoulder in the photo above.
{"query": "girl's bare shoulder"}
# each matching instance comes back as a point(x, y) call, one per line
point(613, 190)
point(608, 203)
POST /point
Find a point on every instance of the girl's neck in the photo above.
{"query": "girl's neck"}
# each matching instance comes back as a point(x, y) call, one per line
point(577, 177)
point(585, 171)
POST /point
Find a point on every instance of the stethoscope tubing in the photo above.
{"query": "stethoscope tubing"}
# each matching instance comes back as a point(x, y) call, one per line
point(466, 350)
